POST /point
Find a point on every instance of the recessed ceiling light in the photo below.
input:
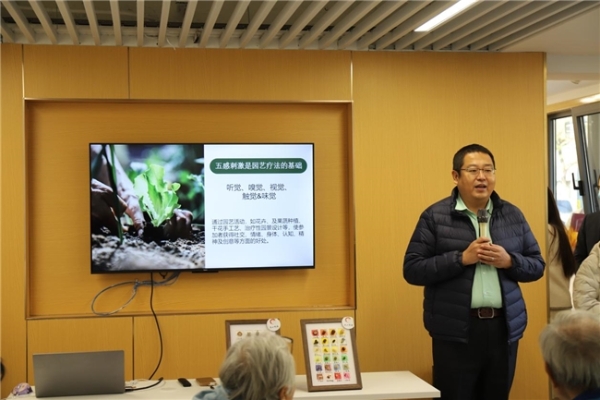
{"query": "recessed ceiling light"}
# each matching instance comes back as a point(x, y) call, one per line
point(591, 99)
point(445, 15)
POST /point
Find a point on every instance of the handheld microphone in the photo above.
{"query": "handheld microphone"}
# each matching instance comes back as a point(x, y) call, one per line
point(483, 218)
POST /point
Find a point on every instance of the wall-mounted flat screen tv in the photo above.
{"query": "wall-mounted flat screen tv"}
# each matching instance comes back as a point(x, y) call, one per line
point(201, 207)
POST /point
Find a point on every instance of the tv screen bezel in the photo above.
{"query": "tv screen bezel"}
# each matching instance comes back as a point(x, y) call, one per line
point(217, 269)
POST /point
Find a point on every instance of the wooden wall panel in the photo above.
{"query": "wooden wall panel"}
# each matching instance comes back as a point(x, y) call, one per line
point(80, 334)
point(58, 134)
point(253, 75)
point(75, 72)
point(12, 216)
point(412, 112)
point(399, 100)
point(195, 345)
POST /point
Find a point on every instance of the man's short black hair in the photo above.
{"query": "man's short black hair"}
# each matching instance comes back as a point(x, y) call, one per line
point(459, 157)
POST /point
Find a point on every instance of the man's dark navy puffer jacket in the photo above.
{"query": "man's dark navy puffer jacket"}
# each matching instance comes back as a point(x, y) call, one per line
point(434, 260)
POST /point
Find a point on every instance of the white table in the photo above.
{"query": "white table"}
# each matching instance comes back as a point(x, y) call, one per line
point(376, 385)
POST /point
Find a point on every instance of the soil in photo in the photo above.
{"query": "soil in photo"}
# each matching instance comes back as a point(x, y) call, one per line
point(137, 254)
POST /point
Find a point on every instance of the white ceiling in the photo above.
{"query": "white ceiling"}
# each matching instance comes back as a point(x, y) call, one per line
point(573, 59)
point(568, 30)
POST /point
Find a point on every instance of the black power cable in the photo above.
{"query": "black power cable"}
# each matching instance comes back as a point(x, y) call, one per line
point(157, 324)
point(131, 389)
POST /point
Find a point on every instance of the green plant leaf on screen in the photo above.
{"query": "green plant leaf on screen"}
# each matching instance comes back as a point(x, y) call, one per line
point(157, 196)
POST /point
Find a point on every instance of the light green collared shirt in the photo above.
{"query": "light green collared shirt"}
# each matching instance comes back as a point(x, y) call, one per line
point(486, 290)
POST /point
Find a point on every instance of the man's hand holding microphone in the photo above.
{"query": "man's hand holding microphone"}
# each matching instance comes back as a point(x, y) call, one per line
point(482, 250)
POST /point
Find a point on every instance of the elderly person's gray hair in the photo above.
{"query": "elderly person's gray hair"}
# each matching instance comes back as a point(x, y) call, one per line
point(258, 368)
point(571, 349)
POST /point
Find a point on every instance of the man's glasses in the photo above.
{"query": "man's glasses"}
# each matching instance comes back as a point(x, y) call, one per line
point(487, 171)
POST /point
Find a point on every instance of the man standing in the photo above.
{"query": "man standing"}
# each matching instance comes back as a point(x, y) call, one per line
point(471, 269)
point(571, 349)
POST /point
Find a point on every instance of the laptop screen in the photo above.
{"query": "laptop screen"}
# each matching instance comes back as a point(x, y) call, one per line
point(83, 373)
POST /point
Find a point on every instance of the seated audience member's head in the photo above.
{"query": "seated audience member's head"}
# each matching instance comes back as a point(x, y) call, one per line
point(571, 349)
point(259, 367)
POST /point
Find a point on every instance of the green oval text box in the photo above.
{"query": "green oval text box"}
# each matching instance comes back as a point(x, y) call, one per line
point(258, 165)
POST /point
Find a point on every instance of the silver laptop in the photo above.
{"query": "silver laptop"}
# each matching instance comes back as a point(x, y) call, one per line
point(72, 374)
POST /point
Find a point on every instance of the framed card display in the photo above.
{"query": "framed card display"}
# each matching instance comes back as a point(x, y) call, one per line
point(239, 329)
point(330, 354)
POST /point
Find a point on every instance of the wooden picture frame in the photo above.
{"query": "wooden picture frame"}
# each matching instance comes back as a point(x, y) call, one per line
point(330, 354)
point(238, 329)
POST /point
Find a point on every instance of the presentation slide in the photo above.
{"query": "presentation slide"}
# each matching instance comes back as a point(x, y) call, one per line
point(259, 206)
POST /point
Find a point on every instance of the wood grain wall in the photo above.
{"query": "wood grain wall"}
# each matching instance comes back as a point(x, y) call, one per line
point(407, 114)
point(419, 109)
point(57, 137)
point(13, 261)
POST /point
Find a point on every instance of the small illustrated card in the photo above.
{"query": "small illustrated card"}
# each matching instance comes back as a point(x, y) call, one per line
point(330, 354)
point(237, 330)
